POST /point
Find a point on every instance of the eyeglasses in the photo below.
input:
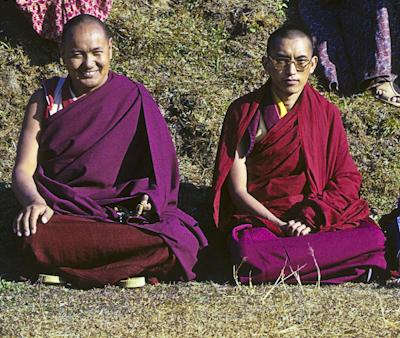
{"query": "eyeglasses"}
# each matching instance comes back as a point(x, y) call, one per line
point(281, 63)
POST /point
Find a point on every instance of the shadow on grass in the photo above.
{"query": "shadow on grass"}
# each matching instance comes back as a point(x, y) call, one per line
point(388, 224)
point(9, 207)
point(214, 263)
point(16, 30)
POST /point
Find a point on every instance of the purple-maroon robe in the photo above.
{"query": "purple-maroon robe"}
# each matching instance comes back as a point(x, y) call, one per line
point(301, 170)
point(109, 148)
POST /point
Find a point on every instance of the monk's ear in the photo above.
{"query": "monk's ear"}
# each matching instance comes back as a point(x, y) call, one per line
point(61, 51)
point(110, 43)
point(314, 62)
point(265, 63)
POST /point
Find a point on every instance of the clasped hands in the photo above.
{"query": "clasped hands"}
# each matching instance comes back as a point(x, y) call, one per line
point(296, 228)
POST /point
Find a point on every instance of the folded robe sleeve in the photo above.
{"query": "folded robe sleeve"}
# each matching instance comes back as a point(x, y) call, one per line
point(338, 205)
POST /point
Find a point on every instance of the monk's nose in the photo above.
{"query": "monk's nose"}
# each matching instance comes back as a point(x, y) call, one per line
point(291, 68)
point(89, 61)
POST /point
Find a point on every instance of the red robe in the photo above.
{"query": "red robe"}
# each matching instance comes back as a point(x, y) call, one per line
point(330, 199)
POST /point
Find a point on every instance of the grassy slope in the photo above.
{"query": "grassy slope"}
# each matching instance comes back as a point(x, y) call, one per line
point(195, 57)
point(199, 310)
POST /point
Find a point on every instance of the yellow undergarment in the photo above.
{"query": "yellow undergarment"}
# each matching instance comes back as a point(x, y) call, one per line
point(281, 107)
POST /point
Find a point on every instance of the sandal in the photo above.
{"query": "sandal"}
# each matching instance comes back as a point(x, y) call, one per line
point(388, 92)
point(133, 282)
point(129, 283)
point(50, 279)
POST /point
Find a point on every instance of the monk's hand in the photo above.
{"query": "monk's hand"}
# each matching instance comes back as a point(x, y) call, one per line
point(295, 228)
point(25, 224)
point(144, 206)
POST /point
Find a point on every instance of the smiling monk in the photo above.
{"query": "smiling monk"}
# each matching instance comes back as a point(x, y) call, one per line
point(97, 177)
point(286, 189)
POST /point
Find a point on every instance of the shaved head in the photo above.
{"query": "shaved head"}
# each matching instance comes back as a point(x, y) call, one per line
point(86, 49)
point(83, 19)
point(290, 32)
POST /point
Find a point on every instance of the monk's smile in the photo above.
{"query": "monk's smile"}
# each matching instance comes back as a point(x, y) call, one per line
point(89, 74)
point(87, 54)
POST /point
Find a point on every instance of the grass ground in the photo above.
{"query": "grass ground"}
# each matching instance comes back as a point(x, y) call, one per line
point(195, 57)
point(200, 310)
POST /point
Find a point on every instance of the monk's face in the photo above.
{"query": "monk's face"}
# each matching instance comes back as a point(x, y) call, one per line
point(87, 54)
point(288, 78)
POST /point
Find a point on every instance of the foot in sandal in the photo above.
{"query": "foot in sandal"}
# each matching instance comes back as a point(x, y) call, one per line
point(388, 92)
point(133, 282)
point(50, 279)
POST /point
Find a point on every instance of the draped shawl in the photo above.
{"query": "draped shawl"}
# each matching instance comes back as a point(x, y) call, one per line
point(333, 179)
point(110, 147)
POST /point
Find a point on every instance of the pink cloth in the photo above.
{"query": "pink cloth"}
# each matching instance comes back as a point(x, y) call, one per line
point(341, 256)
point(49, 16)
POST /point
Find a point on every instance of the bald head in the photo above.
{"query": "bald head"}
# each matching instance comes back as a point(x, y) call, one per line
point(87, 51)
point(288, 32)
point(82, 19)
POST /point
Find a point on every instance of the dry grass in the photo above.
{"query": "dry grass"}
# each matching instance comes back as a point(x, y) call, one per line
point(196, 57)
point(200, 309)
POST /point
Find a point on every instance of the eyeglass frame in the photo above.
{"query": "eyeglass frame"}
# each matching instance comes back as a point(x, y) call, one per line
point(288, 62)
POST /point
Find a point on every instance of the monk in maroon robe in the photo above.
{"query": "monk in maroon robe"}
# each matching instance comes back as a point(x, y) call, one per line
point(286, 189)
point(97, 175)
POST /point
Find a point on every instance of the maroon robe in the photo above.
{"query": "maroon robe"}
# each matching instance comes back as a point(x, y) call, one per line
point(316, 135)
point(106, 150)
point(301, 169)
point(90, 253)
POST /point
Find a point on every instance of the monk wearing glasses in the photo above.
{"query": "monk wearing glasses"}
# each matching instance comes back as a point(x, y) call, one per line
point(286, 189)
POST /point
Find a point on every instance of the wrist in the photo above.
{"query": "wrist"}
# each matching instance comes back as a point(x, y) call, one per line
point(29, 200)
point(280, 223)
